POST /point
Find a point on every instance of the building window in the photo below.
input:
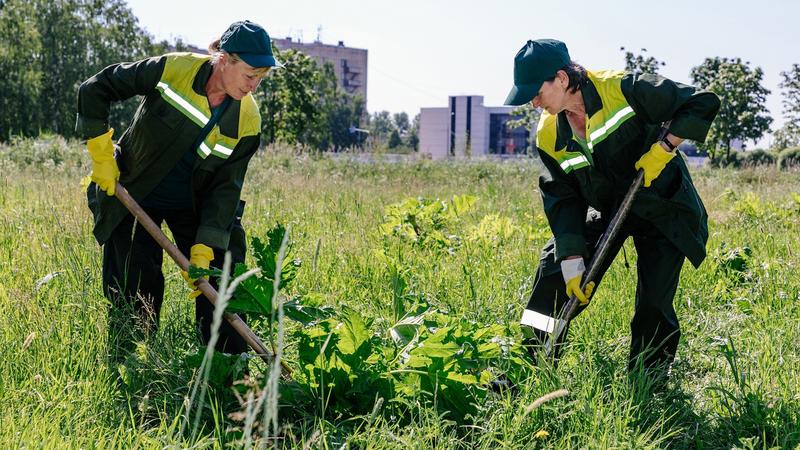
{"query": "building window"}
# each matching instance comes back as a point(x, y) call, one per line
point(503, 141)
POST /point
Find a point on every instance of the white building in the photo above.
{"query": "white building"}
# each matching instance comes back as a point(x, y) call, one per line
point(468, 128)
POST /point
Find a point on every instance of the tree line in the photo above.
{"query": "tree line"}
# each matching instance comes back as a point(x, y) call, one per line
point(743, 113)
point(48, 47)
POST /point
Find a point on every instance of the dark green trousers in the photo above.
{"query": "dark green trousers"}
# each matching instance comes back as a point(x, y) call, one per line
point(654, 329)
point(133, 280)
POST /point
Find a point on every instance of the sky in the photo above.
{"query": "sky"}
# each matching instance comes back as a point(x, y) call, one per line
point(421, 52)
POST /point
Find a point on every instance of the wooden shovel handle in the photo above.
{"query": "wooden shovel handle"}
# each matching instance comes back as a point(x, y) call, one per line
point(205, 287)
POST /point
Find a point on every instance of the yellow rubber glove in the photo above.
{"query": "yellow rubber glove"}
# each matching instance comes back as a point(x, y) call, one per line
point(653, 162)
point(572, 269)
point(574, 288)
point(105, 171)
point(199, 256)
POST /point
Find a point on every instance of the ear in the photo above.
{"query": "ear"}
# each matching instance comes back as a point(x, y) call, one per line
point(223, 59)
point(563, 77)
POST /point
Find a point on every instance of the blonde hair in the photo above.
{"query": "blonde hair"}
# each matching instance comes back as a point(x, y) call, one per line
point(216, 53)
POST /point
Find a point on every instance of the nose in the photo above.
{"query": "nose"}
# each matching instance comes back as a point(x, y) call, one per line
point(535, 102)
point(253, 85)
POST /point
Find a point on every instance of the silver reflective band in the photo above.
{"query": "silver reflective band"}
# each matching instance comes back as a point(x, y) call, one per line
point(539, 321)
point(188, 107)
point(219, 148)
point(574, 162)
point(204, 150)
point(622, 114)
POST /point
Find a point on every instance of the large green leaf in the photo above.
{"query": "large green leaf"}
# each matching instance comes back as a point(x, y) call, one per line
point(353, 333)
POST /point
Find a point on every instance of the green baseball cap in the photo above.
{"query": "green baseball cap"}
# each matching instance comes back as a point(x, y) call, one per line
point(251, 42)
point(536, 62)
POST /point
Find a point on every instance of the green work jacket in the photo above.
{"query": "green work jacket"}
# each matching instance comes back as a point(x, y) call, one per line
point(624, 117)
point(173, 111)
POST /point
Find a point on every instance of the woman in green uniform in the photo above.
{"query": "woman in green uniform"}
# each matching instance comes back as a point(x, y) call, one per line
point(183, 158)
point(597, 129)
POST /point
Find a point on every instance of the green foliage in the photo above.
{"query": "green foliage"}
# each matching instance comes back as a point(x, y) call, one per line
point(225, 368)
point(46, 151)
point(734, 262)
point(493, 230)
point(743, 113)
point(754, 415)
point(20, 44)
point(342, 366)
point(789, 158)
point(422, 221)
point(753, 158)
point(394, 139)
point(289, 101)
point(427, 358)
point(757, 158)
point(57, 391)
point(526, 116)
point(302, 104)
point(255, 295)
point(47, 48)
point(789, 134)
point(640, 64)
point(412, 138)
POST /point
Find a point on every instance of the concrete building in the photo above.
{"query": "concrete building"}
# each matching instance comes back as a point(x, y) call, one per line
point(468, 128)
point(349, 64)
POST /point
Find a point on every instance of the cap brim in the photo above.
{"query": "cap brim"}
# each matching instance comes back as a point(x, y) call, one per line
point(523, 93)
point(259, 61)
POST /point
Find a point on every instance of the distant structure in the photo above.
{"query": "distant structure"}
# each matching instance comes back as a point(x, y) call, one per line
point(349, 64)
point(468, 128)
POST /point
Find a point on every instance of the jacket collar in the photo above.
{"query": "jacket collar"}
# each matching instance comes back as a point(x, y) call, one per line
point(591, 98)
point(591, 101)
point(229, 122)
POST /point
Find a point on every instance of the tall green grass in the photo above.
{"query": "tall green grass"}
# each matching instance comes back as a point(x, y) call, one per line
point(734, 384)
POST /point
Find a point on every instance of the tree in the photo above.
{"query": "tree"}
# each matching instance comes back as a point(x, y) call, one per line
point(289, 101)
point(380, 127)
point(47, 48)
point(528, 117)
point(400, 121)
point(412, 138)
point(303, 104)
point(789, 135)
point(639, 64)
point(394, 139)
point(743, 113)
point(20, 54)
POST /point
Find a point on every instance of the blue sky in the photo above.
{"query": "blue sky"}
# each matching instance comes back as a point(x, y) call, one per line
point(420, 52)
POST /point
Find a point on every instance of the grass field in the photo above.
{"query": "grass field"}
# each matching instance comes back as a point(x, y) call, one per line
point(735, 384)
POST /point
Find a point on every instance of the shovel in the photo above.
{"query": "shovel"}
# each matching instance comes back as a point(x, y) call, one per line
point(569, 310)
point(205, 287)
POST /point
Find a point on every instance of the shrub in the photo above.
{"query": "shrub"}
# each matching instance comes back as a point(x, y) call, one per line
point(734, 159)
point(757, 158)
point(789, 158)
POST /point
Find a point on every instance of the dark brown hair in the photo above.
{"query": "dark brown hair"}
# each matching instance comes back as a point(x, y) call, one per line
point(576, 74)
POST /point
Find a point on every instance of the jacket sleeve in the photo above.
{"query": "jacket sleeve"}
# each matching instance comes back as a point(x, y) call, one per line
point(115, 83)
point(221, 196)
point(564, 207)
point(657, 99)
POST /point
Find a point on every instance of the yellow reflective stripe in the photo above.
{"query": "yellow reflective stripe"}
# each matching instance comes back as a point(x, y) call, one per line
point(175, 99)
point(609, 126)
point(576, 162)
